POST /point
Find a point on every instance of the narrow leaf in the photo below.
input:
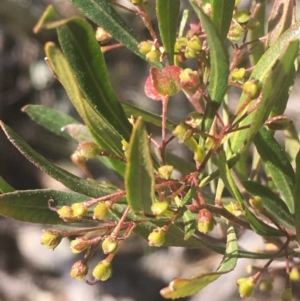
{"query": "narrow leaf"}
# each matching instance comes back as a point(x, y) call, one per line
point(277, 165)
point(50, 119)
point(101, 129)
point(221, 16)
point(183, 287)
point(139, 176)
point(219, 64)
point(255, 34)
point(272, 203)
point(32, 205)
point(104, 15)
point(190, 224)
point(167, 12)
point(69, 180)
point(78, 42)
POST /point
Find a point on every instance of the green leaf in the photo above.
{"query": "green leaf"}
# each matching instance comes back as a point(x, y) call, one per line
point(270, 72)
point(297, 197)
point(50, 119)
point(101, 129)
point(272, 203)
point(277, 165)
point(257, 225)
point(69, 180)
point(221, 16)
point(190, 224)
point(281, 18)
point(219, 64)
point(5, 187)
point(167, 12)
point(104, 15)
point(139, 176)
point(183, 287)
point(49, 20)
point(78, 42)
point(255, 34)
point(32, 205)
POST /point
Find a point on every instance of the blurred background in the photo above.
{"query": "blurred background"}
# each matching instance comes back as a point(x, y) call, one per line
point(29, 272)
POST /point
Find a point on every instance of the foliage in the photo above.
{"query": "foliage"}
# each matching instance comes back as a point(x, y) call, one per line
point(163, 197)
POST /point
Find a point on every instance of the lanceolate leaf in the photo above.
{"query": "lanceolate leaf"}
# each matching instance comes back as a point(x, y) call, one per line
point(272, 203)
point(222, 11)
point(52, 120)
point(69, 180)
point(183, 287)
point(255, 34)
point(103, 132)
point(277, 165)
point(104, 15)
point(139, 176)
point(167, 12)
point(82, 51)
point(297, 197)
point(257, 225)
point(32, 205)
point(219, 64)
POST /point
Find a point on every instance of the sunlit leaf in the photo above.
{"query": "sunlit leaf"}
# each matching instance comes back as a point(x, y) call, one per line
point(139, 176)
point(32, 205)
point(183, 287)
point(167, 12)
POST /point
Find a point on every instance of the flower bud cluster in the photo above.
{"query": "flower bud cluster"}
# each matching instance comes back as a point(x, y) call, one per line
point(191, 47)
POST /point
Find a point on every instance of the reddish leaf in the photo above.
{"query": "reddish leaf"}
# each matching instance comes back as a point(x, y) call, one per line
point(163, 83)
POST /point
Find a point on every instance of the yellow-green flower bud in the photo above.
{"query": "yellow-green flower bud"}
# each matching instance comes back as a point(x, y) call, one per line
point(159, 208)
point(101, 211)
point(266, 285)
point(194, 43)
point(109, 245)
point(236, 32)
point(65, 212)
point(237, 2)
point(102, 270)
point(190, 53)
point(165, 171)
point(79, 245)
point(182, 132)
point(206, 221)
point(253, 24)
point(199, 154)
point(256, 203)
point(242, 16)
point(153, 56)
point(189, 79)
point(78, 209)
point(145, 47)
point(252, 88)
point(294, 274)
point(79, 270)
point(157, 237)
point(246, 287)
point(50, 240)
point(238, 74)
point(180, 44)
